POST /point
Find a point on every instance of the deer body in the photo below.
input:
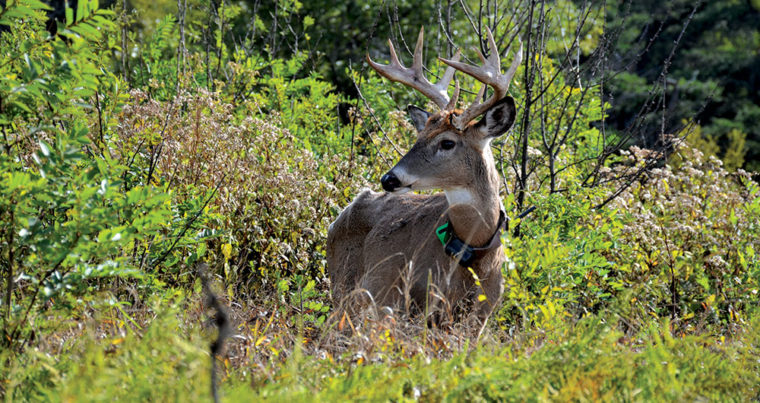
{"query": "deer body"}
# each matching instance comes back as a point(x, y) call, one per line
point(398, 259)
point(385, 245)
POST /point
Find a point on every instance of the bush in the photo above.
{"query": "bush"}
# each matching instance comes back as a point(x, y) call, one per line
point(681, 242)
point(692, 231)
point(273, 204)
point(67, 219)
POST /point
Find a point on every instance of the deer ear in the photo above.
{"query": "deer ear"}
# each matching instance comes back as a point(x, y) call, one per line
point(419, 117)
point(498, 118)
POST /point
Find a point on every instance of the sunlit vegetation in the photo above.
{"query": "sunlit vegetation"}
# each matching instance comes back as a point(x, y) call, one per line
point(140, 143)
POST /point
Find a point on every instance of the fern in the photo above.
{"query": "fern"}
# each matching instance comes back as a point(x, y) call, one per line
point(161, 38)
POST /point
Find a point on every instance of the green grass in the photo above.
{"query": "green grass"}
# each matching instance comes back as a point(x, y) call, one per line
point(165, 363)
point(583, 362)
point(588, 360)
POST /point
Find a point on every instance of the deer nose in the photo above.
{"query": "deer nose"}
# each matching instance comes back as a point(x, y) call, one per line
point(390, 182)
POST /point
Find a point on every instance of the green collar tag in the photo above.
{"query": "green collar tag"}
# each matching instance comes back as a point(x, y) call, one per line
point(443, 234)
point(463, 253)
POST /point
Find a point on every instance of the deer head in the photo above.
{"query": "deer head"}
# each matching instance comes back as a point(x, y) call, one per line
point(452, 151)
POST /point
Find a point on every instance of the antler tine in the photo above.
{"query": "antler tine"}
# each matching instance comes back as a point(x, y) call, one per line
point(445, 80)
point(394, 56)
point(494, 58)
point(453, 102)
point(414, 77)
point(515, 64)
point(488, 74)
point(417, 61)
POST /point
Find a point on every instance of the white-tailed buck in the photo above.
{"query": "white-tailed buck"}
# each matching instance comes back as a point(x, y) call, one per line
point(432, 253)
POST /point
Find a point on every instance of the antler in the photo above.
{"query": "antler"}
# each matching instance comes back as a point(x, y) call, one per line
point(488, 74)
point(415, 78)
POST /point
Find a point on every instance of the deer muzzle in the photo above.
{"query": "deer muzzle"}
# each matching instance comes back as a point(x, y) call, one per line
point(390, 182)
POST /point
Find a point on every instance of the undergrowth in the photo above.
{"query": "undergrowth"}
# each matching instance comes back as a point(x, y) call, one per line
point(586, 360)
point(117, 184)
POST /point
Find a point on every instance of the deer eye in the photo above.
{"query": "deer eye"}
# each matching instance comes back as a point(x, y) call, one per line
point(447, 144)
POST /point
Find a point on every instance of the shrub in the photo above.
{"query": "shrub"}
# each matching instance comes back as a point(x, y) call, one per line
point(67, 219)
point(692, 230)
point(273, 204)
point(681, 242)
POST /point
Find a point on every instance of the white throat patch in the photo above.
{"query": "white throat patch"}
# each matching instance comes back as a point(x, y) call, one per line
point(485, 143)
point(459, 196)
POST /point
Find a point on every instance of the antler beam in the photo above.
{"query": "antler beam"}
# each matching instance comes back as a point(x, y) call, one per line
point(414, 77)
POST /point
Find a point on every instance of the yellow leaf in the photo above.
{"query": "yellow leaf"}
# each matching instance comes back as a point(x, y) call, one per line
point(260, 340)
point(227, 251)
point(482, 297)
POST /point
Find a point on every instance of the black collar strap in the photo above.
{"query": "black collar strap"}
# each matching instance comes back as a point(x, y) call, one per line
point(466, 254)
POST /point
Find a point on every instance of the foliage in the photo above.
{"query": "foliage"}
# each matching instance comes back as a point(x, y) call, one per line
point(560, 268)
point(95, 368)
point(67, 218)
point(273, 204)
point(680, 244)
point(588, 360)
point(733, 157)
point(696, 252)
point(230, 135)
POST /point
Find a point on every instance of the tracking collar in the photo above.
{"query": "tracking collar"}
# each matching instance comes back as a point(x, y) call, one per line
point(459, 249)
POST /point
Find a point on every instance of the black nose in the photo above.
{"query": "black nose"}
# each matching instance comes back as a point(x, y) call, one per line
point(390, 182)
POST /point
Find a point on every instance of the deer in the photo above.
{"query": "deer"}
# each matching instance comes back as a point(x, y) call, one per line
point(440, 251)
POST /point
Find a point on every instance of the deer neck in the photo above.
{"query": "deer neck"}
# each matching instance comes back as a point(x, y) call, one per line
point(474, 210)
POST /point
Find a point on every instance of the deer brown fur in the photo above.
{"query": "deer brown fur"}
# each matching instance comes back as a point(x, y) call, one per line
point(383, 245)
